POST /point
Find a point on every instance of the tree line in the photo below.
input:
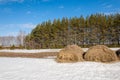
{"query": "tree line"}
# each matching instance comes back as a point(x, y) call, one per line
point(12, 42)
point(83, 31)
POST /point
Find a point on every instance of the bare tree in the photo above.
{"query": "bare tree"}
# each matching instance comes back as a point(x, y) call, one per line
point(21, 37)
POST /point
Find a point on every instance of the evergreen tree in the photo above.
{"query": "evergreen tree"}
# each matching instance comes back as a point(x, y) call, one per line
point(94, 29)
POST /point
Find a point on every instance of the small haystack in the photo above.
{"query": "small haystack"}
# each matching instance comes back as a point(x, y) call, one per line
point(100, 53)
point(71, 53)
point(118, 53)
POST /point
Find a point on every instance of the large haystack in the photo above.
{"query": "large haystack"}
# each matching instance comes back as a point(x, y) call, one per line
point(100, 53)
point(118, 53)
point(71, 53)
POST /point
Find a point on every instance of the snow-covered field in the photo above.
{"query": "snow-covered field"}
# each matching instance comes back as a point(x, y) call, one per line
point(41, 50)
point(30, 51)
point(48, 69)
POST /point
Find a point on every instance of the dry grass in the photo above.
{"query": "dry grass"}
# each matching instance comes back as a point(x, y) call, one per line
point(28, 55)
point(100, 53)
point(71, 53)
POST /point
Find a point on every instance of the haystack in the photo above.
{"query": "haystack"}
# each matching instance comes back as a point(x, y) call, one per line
point(71, 53)
point(100, 53)
point(118, 53)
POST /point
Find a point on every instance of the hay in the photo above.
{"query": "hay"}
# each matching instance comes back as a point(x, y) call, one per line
point(100, 53)
point(118, 53)
point(71, 53)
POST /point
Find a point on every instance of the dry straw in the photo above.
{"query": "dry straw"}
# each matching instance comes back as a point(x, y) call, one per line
point(100, 53)
point(71, 53)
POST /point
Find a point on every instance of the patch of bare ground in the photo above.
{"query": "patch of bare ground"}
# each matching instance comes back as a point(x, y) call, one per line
point(28, 55)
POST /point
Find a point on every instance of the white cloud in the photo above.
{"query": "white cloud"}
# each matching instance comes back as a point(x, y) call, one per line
point(13, 29)
point(12, 33)
point(109, 9)
point(109, 13)
point(112, 11)
point(106, 5)
point(78, 9)
point(17, 0)
point(22, 26)
point(61, 7)
point(28, 12)
point(103, 4)
point(7, 10)
point(45, 0)
point(27, 25)
point(5, 1)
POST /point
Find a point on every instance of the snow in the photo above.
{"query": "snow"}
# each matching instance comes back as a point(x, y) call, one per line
point(30, 51)
point(40, 50)
point(48, 69)
point(115, 48)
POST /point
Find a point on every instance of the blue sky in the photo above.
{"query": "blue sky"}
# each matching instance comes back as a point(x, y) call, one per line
point(16, 15)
